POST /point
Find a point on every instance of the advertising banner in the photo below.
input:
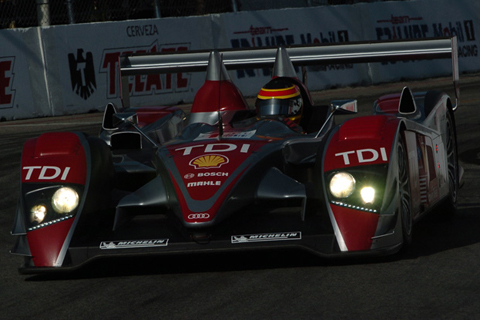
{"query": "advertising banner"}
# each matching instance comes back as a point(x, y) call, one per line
point(68, 69)
point(385, 21)
point(378, 21)
point(86, 61)
point(286, 27)
point(22, 76)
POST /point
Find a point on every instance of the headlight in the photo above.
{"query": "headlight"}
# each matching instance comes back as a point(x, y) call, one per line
point(65, 200)
point(367, 194)
point(342, 185)
point(38, 213)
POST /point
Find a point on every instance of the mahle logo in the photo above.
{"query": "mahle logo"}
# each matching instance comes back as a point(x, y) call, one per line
point(82, 74)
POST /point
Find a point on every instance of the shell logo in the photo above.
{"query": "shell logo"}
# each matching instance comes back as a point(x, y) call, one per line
point(209, 161)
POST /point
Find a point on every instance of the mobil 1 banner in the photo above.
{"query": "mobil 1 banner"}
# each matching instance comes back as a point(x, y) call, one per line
point(286, 27)
point(421, 19)
point(397, 20)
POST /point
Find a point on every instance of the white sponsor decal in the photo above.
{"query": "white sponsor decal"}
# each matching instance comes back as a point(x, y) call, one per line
point(215, 147)
point(234, 135)
point(212, 174)
point(203, 183)
point(133, 244)
point(264, 237)
point(199, 216)
point(46, 172)
point(205, 174)
point(363, 155)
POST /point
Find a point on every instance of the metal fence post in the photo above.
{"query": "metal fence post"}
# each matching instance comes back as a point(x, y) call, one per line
point(43, 13)
point(157, 9)
point(234, 5)
point(71, 17)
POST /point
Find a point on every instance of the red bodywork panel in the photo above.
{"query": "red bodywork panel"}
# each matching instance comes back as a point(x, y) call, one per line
point(357, 227)
point(205, 168)
point(389, 103)
point(46, 243)
point(54, 157)
point(208, 98)
point(148, 115)
point(361, 141)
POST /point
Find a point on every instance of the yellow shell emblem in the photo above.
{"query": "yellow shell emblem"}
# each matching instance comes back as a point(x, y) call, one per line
point(209, 161)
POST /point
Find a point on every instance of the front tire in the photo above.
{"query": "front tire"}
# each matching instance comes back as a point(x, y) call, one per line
point(405, 208)
point(453, 168)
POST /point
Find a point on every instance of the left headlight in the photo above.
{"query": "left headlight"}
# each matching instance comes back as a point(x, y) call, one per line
point(65, 200)
point(342, 185)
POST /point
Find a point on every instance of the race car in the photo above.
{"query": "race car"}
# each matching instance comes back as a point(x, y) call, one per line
point(227, 176)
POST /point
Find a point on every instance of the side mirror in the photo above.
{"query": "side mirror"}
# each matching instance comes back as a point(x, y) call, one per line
point(339, 106)
point(344, 106)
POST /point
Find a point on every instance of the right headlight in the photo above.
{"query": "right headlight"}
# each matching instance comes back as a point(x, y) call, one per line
point(342, 185)
point(65, 200)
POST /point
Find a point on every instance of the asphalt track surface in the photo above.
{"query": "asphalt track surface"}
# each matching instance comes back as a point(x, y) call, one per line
point(438, 277)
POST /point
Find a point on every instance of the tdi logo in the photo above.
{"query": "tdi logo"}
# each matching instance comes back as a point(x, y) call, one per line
point(215, 147)
point(363, 155)
point(82, 74)
point(46, 172)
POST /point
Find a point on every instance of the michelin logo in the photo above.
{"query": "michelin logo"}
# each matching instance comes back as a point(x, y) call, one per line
point(105, 245)
point(264, 237)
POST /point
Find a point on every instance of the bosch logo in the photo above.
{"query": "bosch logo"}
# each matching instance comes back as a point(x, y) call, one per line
point(189, 176)
point(193, 216)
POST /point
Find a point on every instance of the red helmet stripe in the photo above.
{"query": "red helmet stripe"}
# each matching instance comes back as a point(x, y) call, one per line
point(283, 93)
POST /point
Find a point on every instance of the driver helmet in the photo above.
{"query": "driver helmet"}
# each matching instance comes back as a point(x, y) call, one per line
point(280, 97)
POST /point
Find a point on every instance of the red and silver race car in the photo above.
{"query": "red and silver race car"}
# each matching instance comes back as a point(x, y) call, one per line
point(231, 177)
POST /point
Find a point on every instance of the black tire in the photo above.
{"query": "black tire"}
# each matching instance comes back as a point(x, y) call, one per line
point(405, 209)
point(450, 208)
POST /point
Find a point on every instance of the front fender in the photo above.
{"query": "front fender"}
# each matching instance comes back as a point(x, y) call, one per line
point(50, 162)
point(363, 147)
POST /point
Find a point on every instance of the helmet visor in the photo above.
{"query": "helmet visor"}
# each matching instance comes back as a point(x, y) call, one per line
point(273, 107)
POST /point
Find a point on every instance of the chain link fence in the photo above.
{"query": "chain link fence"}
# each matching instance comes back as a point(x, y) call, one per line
point(32, 13)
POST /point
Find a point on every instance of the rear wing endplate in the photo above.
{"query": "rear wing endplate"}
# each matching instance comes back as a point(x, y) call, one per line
point(304, 55)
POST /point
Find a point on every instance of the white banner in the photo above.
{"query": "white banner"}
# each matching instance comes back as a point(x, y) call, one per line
point(74, 69)
point(22, 76)
point(361, 22)
point(86, 59)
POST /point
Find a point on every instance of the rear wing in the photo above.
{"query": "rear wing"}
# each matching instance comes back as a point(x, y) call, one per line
point(354, 52)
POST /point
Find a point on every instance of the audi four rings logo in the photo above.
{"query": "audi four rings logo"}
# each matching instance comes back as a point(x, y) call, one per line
point(189, 176)
point(198, 216)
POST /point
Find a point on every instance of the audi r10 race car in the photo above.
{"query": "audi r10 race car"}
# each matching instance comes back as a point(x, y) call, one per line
point(230, 177)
